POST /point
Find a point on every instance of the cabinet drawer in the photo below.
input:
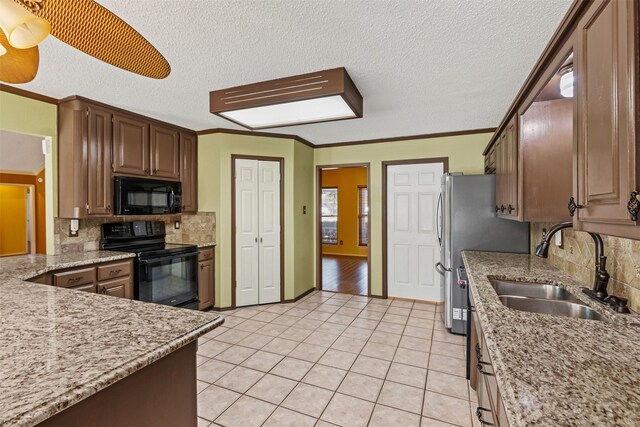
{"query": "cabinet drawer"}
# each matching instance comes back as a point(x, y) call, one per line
point(112, 271)
point(485, 412)
point(488, 373)
point(118, 288)
point(205, 254)
point(73, 278)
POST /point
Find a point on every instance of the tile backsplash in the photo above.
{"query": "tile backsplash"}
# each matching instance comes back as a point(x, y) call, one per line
point(195, 229)
point(577, 258)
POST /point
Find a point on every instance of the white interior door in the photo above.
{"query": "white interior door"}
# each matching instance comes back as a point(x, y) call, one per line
point(257, 232)
point(269, 228)
point(247, 232)
point(412, 241)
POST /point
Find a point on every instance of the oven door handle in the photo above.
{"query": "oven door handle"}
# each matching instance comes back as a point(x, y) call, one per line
point(167, 258)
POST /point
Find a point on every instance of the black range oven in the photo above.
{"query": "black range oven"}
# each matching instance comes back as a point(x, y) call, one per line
point(165, 273)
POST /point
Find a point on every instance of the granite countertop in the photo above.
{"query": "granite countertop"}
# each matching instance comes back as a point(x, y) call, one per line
point(554, 370)
point(201, 244)
point(60, 346)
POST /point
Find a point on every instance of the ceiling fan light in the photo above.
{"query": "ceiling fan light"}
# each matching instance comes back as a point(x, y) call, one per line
point(22, 28)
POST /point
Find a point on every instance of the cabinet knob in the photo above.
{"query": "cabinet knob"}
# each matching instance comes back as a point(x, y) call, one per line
point(502, 208)
point(497, 208)
point(146, 171)
point(510, 208)
point(573, 206)
point(634, 205)
point(108, 208)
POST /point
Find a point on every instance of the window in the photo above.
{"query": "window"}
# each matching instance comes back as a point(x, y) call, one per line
point(363, 216)
point(330, 216)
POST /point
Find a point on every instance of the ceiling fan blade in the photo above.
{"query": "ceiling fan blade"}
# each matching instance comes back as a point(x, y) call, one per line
point(93, 29)
point(18, 65)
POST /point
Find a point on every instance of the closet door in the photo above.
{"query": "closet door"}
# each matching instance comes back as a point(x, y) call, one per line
point(269, 231)
point(246, 234)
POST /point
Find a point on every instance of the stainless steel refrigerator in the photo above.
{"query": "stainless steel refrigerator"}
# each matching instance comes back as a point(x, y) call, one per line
point(467, 220)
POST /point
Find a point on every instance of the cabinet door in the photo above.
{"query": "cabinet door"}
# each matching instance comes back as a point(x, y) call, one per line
point(501, 174)
point(189, 172)
point(511, 151)
point(605, 70)
point(130, 146)
point(99, 185)
point(165, 152)
point(205, 284)
point(118, 288)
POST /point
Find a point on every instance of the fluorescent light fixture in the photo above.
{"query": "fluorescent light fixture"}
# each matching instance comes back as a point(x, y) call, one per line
point(309, 98)
point(566, 81)
point(291, 113)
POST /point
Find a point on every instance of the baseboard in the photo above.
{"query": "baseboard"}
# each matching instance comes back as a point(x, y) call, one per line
point(299, 297)
point(222, 308)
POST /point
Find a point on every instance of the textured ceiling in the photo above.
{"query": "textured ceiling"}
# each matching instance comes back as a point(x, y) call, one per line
point(421, 66)
point(20, 152)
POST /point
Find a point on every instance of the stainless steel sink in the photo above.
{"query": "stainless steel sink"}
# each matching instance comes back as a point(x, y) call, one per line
point(533, 290)
point(549, 306)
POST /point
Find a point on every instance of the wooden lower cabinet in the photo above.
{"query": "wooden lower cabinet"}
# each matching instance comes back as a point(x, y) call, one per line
point(110, 278)
point(490, 410)
point(122, 288)
point(206, 279)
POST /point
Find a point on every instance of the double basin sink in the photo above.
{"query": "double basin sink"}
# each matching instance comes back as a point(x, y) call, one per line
point(542, 298)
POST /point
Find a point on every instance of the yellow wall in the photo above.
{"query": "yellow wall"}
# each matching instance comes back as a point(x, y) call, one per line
point(347, 181)
point(464, 153)
point(13, 220)
point(12, 178)
point(26, 115)
point(214, 194)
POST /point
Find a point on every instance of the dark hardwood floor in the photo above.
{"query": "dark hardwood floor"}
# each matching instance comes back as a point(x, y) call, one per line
point(346, 274)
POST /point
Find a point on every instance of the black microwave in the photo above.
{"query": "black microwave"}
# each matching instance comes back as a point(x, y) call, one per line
point(141, 196)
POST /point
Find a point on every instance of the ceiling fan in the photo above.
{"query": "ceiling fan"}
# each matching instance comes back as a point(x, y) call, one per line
point(83, 24)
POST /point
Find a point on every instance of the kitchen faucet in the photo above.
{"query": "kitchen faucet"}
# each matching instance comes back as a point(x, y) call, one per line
point(601, 280)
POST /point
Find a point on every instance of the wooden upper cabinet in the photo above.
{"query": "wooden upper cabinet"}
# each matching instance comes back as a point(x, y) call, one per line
point(99, 179)
point(189, 172)
point(546, 146)
point(607, 94)
point(507, 183)
point(165, 152)
point(130, 145)
point(511, 149)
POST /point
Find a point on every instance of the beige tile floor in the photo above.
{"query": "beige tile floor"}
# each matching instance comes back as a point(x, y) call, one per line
point(334, 359)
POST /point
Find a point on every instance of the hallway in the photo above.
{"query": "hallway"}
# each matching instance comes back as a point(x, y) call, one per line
point(347, 274)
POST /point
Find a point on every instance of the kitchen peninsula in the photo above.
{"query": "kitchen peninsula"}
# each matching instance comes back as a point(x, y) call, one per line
point(77, 358)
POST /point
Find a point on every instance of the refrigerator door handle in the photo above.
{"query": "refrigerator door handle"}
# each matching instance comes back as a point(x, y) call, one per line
point(440, 268)
point(439, 220)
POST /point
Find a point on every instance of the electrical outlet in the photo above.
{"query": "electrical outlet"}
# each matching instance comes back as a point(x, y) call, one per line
point(304, 210)
point(177, 225)
point(341, 242)
point(559, 239)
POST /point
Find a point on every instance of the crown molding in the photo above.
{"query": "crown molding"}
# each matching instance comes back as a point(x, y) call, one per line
point(47, 99)
point(27, 94)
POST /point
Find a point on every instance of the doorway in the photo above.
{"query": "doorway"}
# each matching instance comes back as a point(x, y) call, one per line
point(410, 243)
point(22, 194)
point(343, 233)
point(257, 220)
